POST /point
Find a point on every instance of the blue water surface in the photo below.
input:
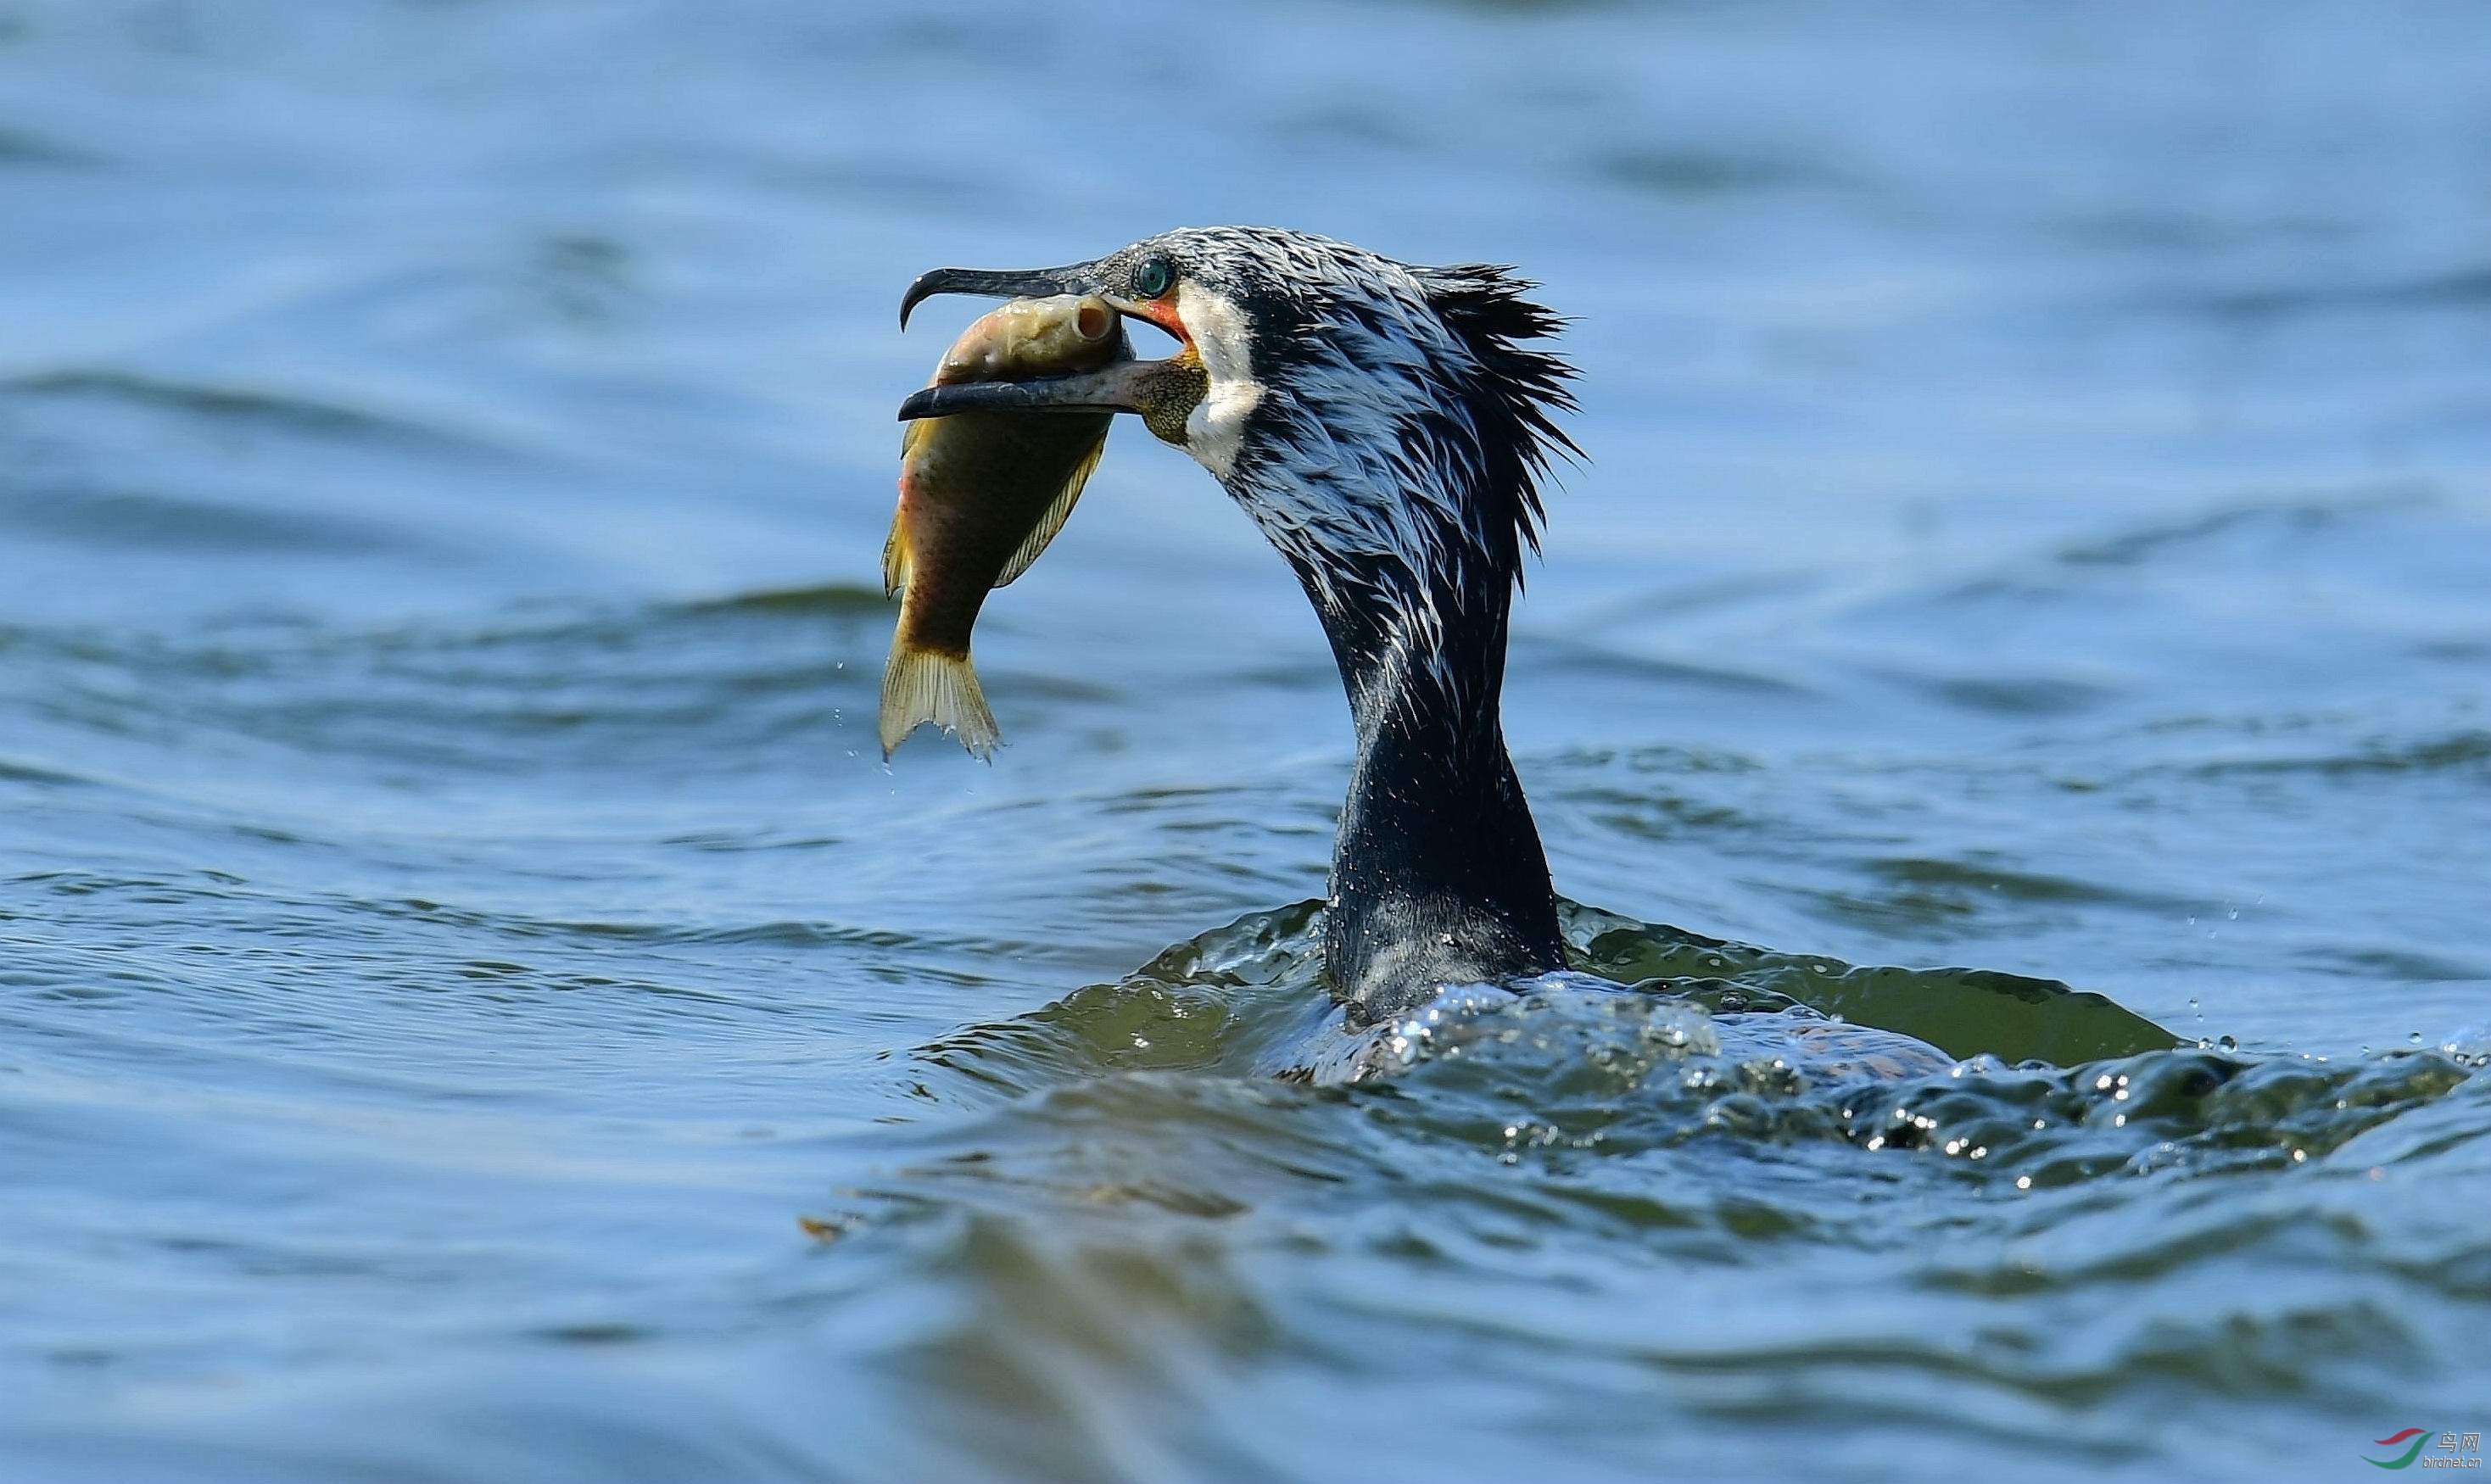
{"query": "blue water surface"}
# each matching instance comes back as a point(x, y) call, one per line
point(475, 1004)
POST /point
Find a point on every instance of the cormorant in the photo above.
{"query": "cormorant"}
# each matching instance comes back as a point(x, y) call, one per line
point(1386, 427)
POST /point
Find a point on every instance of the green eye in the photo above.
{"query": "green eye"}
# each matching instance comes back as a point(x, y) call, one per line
point(1153, 278)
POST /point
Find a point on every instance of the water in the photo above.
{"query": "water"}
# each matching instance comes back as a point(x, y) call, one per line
point(476, 1006)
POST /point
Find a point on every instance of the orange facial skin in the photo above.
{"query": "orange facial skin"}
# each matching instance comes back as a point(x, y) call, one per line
point(1161, 312)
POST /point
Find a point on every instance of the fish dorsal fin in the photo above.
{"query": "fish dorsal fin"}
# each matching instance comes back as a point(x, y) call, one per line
point(1053, 521)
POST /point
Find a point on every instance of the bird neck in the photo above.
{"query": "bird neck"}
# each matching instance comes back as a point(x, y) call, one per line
point(1437, 876)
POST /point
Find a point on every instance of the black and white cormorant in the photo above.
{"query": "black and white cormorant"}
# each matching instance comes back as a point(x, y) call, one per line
point(1386, 427)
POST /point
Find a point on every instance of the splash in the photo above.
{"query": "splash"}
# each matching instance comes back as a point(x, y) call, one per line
point(1712, 1038)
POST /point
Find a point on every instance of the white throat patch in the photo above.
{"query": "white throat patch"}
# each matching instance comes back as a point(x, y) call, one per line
point(1215, 429)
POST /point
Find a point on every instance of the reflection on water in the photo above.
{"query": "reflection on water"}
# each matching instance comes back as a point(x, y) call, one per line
point(476, 1005)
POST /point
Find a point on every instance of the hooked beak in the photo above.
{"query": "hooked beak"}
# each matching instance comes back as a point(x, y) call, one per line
point(1000, 283)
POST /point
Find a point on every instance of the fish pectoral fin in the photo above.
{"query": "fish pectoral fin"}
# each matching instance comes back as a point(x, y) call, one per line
point(922, 685)
point(894, 556)
point(1053, 521)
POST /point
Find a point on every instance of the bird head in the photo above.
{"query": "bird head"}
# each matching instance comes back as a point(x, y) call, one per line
point(1381, 422)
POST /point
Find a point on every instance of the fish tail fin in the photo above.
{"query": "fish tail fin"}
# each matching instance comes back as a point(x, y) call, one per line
point(922, 685)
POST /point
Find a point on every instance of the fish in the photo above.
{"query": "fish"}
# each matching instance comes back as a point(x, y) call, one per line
point(981, 496)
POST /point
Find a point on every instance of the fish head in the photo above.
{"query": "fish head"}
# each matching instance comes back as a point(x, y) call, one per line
point(1031, 337)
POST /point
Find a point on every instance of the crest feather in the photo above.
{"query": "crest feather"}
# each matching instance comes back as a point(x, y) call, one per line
point(1483, 303)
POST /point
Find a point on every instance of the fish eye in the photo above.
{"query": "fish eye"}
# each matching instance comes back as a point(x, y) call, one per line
point(1156, 276)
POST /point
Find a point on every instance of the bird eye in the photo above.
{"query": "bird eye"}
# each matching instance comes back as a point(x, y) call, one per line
point(1156, 276)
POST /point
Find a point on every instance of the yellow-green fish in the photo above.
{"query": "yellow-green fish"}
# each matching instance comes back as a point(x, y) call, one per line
point(981, 494)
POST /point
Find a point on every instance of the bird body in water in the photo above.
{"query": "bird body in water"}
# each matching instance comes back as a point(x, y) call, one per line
point(1386, 427)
